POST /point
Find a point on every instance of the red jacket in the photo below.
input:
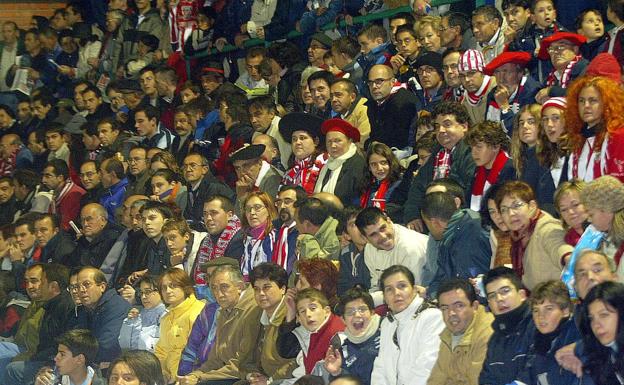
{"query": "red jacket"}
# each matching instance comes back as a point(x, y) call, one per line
point(67, 204)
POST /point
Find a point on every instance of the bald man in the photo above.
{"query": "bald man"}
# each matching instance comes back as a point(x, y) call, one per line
point(98, 236)
point(271, 152)
point(11, 144)
point(390, 112)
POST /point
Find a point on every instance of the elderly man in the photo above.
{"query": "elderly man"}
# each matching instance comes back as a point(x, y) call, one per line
point(98, 236)
point(253, 172)
point(237, 327)
point(477, 85)
point(264, 119)
point(389, 244)
point(14, 154)
point(487, 27)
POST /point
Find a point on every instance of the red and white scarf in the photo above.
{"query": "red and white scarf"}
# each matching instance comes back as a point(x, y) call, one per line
point(305, 172)
point(280, 251)
point(209, 250)
point(57, 199)
point(483, 183)
point(442, 164)
point(379, 199)
point(475, 97)
point(565, 76)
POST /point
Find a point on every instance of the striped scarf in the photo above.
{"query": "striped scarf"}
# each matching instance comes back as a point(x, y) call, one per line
point(565, 76)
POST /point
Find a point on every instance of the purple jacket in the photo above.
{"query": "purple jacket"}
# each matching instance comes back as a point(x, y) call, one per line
point(200, 341)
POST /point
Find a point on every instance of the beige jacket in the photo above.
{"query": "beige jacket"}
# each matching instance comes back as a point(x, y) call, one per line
point(358, 118)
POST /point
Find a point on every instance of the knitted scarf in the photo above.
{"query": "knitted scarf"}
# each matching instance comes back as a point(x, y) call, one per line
point(305, 172)
point(370, 331)
point(565, 76)
point(379, 198)
point(475, 97)
point(519, 242)
point(209, 250)
point(442, 164)
point(483, 183)
point(280, 251)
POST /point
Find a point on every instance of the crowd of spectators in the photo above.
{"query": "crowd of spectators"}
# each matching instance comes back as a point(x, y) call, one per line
point(228, 192)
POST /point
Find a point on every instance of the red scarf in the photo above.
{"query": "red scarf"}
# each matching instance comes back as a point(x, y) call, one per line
point(518, 244)
point(482, 182)
point(280, 251)
point(305, 172)
point(475, 97)
point(379, 199)
point(209, 250)
point(442, 164)
point(565, 77)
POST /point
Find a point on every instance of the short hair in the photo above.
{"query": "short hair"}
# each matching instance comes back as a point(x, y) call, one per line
point(313, 295)
point(349, 85)
point(52, 217)
point(488, 132)
point(515, 188)
point(534, 4)
point(112, 165)
point(255, 52)
point(226, 203)
point(299, 191)
point(189, 85)
point(55, 272)
point(578, 24)
point(452, 108)
point(440, 205)
point(406, 29)
point(355, 380)
point(354, 294)
point(150, 111)
point(426, 142)
point(234, 272)
point(27, 178)
point(162, 208)
point(80, 341)
point(610, 262)
point(176, 224)
point(312, 210)
point(286, 54)
point(237, 105)
point(94, 89)
point(55, 127)
point(452, 50)
point(408, 17)
point(78, 8)
point(98, 275)
point(573, 185)
point(270, 271)
point(346, 45)
point(179, 277)
point(115, 126)
point(453, 284)
point(369, 216)
point(168, 74)
point(59, 167)
point(264, 102)
point(396, 269)
point(9, 111)
point(149, 279)
point(45, 98)
point(344, 217)
point(502, 272)
point(458, 19)
point(310, 379)
point(374, 31)
point(326, 76)
point(490, 13)
point(452, 187)
point(554, 291)
point(321, 272)
point(7, 231)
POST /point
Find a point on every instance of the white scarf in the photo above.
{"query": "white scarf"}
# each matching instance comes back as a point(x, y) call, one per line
point(334, 165)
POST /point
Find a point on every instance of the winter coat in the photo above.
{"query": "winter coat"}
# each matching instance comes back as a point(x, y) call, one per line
point(358, 359)
point(323, 244)
point(113, 198)
point(93, 252)
point(143, 331)
point(200, 341)
point(391, 121)
point(55, 322)
point(353, 270)
point(27, 335)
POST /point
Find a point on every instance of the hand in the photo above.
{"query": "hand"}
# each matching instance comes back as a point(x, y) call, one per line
point(542, 95)
point(158, 55)
point(257, 379)
point(191, 379)
point(121, 117)
point(15, 254)
point(333, 361)
point(240, 39)
point(421, 290)
point(289, 299)
point(244, 185)
point(416, 225)
point(320, 11)
point(33, 75)
point(128, 293)
point(396, 62)
point(501, 96)
point(44, 376)
point(134, 277)
point(133, 313)
point(65, 70)
point(155, 198)
point(260, 33)
point(220, 43)
point(565, 358)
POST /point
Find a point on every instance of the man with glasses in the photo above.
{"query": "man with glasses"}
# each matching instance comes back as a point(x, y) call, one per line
point(513, 321)
point(430, 78)
point(390, 110)
point(105, 312)
point(139, 172)
point(562, 49)
point(201, 184)
point(463, 343)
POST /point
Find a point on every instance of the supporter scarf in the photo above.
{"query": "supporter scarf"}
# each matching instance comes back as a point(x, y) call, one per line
point(442, 164)
point(253, 253)
point(328, 177)
point(565, 76)
point(57, 200)
point(514, 103)
point(305, 172)
point(209, 250)
point(379, 199)
point(483, 183)
point(519, 241)
point(280, 251)
point(475, 97)
point(455, 94)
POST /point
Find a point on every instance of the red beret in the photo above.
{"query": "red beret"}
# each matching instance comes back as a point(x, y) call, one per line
point(519, 57)
point(573, 38)
point(340, 125)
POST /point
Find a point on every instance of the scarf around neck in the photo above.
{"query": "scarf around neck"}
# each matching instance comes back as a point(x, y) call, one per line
point(379, 198)
point(370, 331)
point(328, 178)
point(565, 75)
point(475, 97)
point(483, 183)
point(210, 250)
point(519, 241)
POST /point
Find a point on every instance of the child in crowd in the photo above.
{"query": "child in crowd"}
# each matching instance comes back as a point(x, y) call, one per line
point(590, 24)
point(403, 63)
point(353, 270)
point(189, 91)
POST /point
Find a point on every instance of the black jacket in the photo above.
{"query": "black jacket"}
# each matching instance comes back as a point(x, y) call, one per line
point(58, 249)
point(540, 179)
point(208, 186)
point(391, 121)
point(353, 176)
point(93, 253)
point(8, 210)
point(54, 323)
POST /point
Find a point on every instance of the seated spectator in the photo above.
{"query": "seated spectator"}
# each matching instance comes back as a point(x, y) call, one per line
point(303, 132)
point(562, 49)
point(488, 144)
point(507, 299)
point(99, 235)
point(253, 172)
point(320, 44)
point(524, 140)
point(429, 30)
point(348, 105)
point(286, 240)
point(145, 55)
point(570, 207)
point(538, 249)
point(500, 236)
point(169, 189)
point(374, 46)
point(287, 66)
point(317, 230)
point(140, 365)
point(9, 206)
point(105, 312)
point(410, 356)
point(12, 308)
point(264, 119)
point(14, 154)
point(430, 77)
point(597, 153)
point(183, 244)
point(320, 274)
point(463, 342)
point(148, 127)
point(154, 215)
point(57, 246)
point(450, 65)
point(257, 223)
point(513, 90)
point(599, 325)
point(56, 143)
point(476, 83)
point(345, 55)
point(251, 80)
point(394, 22)
point(456, 33)
point(37, 145)
point(389, 244)
point(489, 32)
point(75, 355)
point(141, 328)
point(589, 23)
point(353, 271)
point(67, 195)
point(177, 291)
point(96, 108)
point(113, 178)
point(464, 249)
point(319, 84)
point(138, 172)
point(317, 14)
point(114, 140)
point(517, 15)
point(403, 63)
point(91, 182)
point(345, 171)
point(385, 175)
point(271, 152)
point(25, 252)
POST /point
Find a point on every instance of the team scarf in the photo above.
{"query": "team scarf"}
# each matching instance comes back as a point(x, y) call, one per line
point(475, 97)
point(514, 102)
point(254, 253)
point(379, 199)
point(57, 200)
point(305, 172)
point(442, 164)
point(483, 183)
point(454, 93)
point(209, 250)
point(280, 251)
point(519, 241)
point(565, 76)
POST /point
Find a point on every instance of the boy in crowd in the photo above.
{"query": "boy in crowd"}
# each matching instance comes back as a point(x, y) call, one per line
point(374, 46)
point(353, 270)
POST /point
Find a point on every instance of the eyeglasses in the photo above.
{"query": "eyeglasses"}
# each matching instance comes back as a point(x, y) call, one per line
point(377, 82)
point(86, 285)
point(355, 310)
point(425, 69)
point(147, 292)
point(503, 292)
point(170, 286)
point(254, 208)
point(192, 166)
point(136, 160)
point(558, 48)
point(514, 207)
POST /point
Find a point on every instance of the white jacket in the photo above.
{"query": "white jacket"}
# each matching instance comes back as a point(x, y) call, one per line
point(419, 341)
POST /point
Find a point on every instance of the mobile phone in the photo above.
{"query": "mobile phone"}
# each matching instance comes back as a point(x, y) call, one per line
point(75, 228)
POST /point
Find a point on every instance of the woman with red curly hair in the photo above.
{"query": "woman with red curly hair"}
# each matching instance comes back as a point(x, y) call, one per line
point(595, 125)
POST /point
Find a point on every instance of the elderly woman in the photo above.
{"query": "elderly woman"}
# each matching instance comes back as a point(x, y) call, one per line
point(538, 248)
point(303, 132)
point(260, 234)
point(429, 30)
point(344, 175)
point(595, 126)
point(176, 289)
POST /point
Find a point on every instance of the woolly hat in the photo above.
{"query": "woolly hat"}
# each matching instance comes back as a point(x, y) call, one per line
point(471, 60)
point(432, 59)
point(606, 65)
point(605, 193)
point(557, 102)
point(323, 39)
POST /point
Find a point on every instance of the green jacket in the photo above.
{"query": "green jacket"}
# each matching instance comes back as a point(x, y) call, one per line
point(323, 244)
point(27, 335)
